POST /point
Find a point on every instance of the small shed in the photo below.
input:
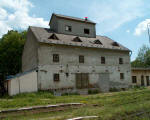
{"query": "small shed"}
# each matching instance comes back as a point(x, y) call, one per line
point(22, 83)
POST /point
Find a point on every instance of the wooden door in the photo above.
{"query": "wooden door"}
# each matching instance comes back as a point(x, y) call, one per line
point(82, 80)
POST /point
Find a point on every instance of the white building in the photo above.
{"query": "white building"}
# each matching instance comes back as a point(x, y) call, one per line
point(71, 57)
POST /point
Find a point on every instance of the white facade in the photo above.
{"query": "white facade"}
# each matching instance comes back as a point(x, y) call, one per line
point(69, 63)
point(23, 83)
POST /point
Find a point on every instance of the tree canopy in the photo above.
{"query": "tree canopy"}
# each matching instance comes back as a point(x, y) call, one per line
point(11, 47)
point(143, 58)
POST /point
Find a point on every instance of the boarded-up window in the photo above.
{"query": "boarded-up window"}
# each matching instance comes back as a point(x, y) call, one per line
point(147, 80)
point(120, 60)
point(121, 76)
point(102, 60)
point(55, 57)
point(82, 80)
point(81, 59)
point(56, 77)
point(134, 79)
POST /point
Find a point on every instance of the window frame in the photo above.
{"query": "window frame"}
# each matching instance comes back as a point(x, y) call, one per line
point(121, 76)
point(56, 77)
point(120, 61)
point(55, 58)
point(69, 28)
point(134, 79)
point(103, 60)
point(81, 59)
point(85, 31)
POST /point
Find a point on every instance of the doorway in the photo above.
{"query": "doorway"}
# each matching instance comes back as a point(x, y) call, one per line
point(82, 80)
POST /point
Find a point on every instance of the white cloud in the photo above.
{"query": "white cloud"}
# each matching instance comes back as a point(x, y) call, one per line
point(142, 27)
point(18, 17)
point(128, 31)
point(111, 14)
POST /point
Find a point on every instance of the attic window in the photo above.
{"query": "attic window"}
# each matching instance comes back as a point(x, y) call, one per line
point(53, 36)
point(115, 44)
point(68, 28)
point(97, 42)
point(86, 31)
point(77, 39)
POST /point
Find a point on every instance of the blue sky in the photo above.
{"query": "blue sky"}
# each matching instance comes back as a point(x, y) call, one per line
point(125, 21)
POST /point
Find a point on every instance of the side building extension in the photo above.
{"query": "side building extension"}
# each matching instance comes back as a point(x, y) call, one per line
point(140, 76)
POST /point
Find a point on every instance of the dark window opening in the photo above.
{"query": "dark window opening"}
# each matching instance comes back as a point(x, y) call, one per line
point(134, 80)
point(77, 39)
point(147, 80)
point(53, 36)
point(55, 58)
point(86, 31)
point(102, 60)
point(115, 44)
point(56, 77)
point(97, 42)
point(121, 75)
point(120, 60)
point(68, 28)
point(142, 80)
point(81, 59)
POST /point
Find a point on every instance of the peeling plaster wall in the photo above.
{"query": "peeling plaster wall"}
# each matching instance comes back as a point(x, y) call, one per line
point(138, 74)
point(69, 63)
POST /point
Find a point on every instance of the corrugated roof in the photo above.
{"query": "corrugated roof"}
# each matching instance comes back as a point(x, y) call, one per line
point(43, 35)
point(73, 18)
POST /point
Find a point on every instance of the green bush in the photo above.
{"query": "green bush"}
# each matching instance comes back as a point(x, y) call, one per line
point(74, 93)
point(113, 89)
point(93, 91)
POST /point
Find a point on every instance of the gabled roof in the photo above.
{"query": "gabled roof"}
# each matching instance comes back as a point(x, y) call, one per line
point(72, 18)
point(42, 35)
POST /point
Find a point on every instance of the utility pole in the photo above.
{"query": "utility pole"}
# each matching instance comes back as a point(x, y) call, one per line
point(148, 27)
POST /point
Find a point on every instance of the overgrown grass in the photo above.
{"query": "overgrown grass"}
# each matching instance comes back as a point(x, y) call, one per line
point(108, 106)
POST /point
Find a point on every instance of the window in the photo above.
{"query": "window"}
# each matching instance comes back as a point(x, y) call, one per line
point(122, 76)
point(120, 60)
point(81, 59)
point(68, 28)
point(102, 60)
point(115, 44)
point(97, 42)
point(86, 31)
point(55, 58)
point(134, 79)
point(77, 39)
point(53, 36)
point(56, 77)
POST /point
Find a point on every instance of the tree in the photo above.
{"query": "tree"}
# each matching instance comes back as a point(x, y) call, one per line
point(11, 47)
point(143, 58)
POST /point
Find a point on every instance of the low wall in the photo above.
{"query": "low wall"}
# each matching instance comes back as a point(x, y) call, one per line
point(26, 82)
